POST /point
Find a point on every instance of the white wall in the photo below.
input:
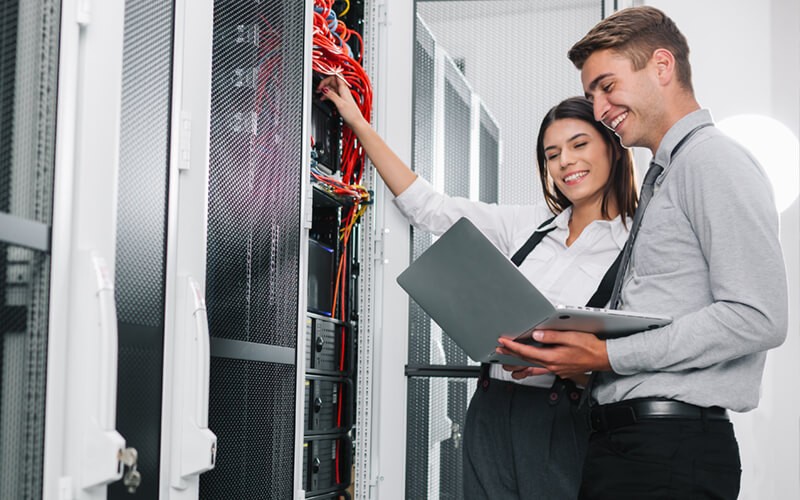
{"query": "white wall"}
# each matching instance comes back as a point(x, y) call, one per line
point(744, 57)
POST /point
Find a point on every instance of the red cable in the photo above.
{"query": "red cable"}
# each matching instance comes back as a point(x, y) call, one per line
point(330, 57)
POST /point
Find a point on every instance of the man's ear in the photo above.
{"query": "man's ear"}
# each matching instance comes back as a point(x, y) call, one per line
point(664, 63)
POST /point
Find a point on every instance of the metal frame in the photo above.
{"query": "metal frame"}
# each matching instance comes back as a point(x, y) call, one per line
point(305, 209)
point(84, 226)
point(186, 255)
point(383, 331)
point(24, 232)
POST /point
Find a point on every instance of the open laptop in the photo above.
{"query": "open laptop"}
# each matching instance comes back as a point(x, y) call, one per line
point(476, 294)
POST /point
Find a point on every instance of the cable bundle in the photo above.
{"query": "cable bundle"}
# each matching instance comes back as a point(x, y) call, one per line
point(333, 56)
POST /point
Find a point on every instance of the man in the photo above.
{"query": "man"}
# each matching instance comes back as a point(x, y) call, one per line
point(707, 254)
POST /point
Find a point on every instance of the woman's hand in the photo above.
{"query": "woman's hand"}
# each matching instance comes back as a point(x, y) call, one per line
point(336, 90)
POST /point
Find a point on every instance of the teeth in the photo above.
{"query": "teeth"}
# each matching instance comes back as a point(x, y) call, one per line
point(575, 176)
point(619, 119)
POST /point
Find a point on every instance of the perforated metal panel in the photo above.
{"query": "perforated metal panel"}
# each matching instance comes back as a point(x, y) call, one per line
point(23, 363)
point(143, 161)
point(28, 73)
point(419, 323)
point(141, 232)
point(489, 137)
point(514, 55)
point(253, 244)
point(255, 171)
point(29, 33)
point(457, 109)
point(444, 462)
point(253, 417)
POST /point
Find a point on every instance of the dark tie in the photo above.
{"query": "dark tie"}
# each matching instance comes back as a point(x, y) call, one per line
point(644, 198)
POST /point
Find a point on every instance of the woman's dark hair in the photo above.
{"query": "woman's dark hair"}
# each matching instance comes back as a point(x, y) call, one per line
point(621, 178)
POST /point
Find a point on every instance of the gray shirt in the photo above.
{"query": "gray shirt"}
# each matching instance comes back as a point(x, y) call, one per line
point(708, 255)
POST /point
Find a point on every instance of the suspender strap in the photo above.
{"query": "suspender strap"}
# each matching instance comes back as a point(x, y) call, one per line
point(603, 293)
point(529, 245)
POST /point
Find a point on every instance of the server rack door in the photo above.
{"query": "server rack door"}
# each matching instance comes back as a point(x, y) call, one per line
point(188, 447)
point(28, 69)
point(82, 445)
point(256, 192)
point(141, 233)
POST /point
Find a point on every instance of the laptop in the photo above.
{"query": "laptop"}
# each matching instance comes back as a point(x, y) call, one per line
point(476, 294)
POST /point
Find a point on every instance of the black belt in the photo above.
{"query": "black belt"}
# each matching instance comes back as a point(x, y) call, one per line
point(612, 416)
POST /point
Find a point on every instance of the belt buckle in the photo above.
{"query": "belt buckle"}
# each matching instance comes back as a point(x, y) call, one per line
point(604, 419)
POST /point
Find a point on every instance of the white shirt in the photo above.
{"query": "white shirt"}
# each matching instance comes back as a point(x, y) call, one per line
point(566, 275)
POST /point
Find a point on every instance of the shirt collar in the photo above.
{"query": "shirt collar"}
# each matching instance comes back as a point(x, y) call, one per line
point(676, 134)
point(619, 232)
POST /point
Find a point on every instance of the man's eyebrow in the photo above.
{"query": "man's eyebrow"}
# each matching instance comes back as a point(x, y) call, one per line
point(593, 85)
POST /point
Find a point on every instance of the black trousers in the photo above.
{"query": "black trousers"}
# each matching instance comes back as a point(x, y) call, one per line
point(663, 459)
point(524, 443)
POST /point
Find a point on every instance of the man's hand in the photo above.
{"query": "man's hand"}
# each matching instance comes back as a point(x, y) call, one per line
point(569, 355)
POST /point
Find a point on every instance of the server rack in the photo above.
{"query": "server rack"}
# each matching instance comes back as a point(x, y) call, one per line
point(255, 240)
point(333, 303)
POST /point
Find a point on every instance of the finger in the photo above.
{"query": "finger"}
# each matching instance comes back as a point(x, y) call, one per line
point(538, 370)
point(513, 368)
point(326, 82)
point(561, 337)
point(329, 94)
point(520, 374)
point(510, 346)
point(530, 371)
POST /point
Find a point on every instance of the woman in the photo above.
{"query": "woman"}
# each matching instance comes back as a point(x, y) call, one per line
point(527, 438)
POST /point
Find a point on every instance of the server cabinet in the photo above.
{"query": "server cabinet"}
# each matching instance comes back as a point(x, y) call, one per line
point(255, 240)
point(436, 450)
point(28, 70)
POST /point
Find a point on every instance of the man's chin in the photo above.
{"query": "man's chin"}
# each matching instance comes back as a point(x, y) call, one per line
point(628, 142)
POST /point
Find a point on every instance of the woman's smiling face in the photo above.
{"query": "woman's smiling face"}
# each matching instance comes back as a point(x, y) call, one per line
point(578, 160)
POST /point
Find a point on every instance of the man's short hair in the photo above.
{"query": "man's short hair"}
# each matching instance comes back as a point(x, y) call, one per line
point(636, 33)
